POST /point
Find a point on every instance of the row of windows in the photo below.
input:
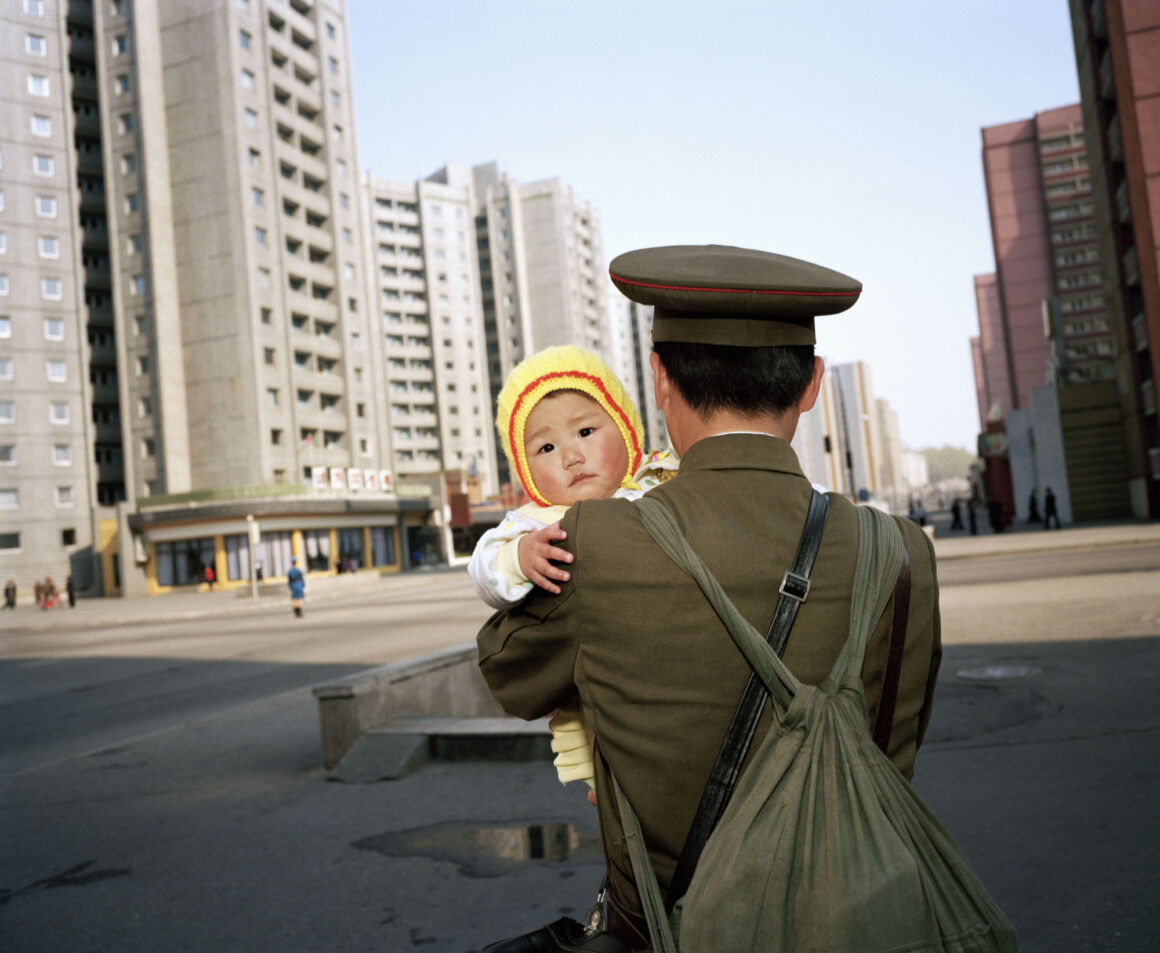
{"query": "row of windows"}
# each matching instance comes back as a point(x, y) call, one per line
point(58, 412)
point(10, 542)
point(51, 289)
point(65, 495)
point(53, 328)
point(56, 372)
point(61, 455)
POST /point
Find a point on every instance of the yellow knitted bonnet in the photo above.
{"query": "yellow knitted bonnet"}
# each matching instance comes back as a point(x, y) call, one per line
point(563, 367)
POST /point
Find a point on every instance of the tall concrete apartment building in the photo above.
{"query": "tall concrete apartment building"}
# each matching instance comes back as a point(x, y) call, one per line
point(542, 273)
point(425, 272)
point(1043, 319)
point(1117, 46)
point(47, 472)
point(182, 192)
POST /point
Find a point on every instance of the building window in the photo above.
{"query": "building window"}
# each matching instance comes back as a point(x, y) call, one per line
point(135, 244)
point(46, 206)
point(3, 284)
point(258, 197)
point(9, 542)
point(57, 371)
point(275, 437)
point(62, 455)
point(120, 44)
point(255, 159)
point(37, 84)
point(132, 203)
point(244, 39)
point(121, 84)
point(5, 327)
point(68, 537)
point(125, 122)
point(49, 246)
point(129, 163)
point(260, 235)
point(64, 498)
point(34, 7)
point(7, 411)
point(6, 372)
point(251, 118)
point(36, 45)
point(43, 165)
point(142, 365)
point(9, 499)
point(53, 329)
point(51, 289)
point(137, 285)
point(8, 455)
point(183, 563)
point(268, 354)
point(247, 79)
point(58, 412)
point(41, 126)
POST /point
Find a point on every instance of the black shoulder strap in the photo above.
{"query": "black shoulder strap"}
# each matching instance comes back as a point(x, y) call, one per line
point(795, 587)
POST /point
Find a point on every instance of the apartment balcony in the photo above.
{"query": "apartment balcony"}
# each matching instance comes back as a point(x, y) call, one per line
point(1131, 266)
point(1107, 77)
point(1115, 140)
point(82, 47)
point(1140, 331)
point(1099, 19)
point(84, 87)
point(1148, 397)
point(1123, 203)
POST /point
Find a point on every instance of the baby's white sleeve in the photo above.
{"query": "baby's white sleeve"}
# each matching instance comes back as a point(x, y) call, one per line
point(494, 567)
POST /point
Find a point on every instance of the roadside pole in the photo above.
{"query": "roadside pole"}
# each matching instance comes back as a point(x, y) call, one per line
point(255, 539)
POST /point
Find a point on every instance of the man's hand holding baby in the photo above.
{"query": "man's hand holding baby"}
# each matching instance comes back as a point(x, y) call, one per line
point(538, 555)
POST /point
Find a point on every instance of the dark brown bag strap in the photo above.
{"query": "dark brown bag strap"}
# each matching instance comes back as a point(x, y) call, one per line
point(885, 720)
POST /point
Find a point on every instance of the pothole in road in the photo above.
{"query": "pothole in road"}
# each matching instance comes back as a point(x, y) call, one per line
point(489, 850)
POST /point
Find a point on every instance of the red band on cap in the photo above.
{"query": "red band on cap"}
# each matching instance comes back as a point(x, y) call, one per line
point(734, 291)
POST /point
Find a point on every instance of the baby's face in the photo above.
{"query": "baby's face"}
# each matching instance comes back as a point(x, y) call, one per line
point(575, 451)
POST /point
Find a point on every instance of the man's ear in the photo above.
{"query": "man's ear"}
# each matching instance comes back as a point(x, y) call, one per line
point(810, 395)
point(662, 386)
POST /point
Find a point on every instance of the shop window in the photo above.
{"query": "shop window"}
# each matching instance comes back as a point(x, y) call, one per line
point(317, 542)
point(382, 546)
point(182, 563)
point(351, 550)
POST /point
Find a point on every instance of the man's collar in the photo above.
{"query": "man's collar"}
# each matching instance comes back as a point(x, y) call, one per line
point(741, 451)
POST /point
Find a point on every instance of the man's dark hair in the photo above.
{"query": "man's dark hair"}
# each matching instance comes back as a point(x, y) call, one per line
point(751, 380)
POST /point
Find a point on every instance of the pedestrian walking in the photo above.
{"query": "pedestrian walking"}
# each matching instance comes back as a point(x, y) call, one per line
point(71, 591)
point(10, 594)
point(1049, 511)
point(972, 516)
point(1033, 508)
point(957, 514)
point(297, 583)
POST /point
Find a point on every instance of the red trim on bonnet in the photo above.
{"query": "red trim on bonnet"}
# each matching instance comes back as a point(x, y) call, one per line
point(525, 479)
point(733, 291)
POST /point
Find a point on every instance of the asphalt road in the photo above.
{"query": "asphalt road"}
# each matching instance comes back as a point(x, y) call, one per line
point(160, 786)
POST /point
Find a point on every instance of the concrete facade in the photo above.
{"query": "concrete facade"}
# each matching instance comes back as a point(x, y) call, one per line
point(48, 476)
point(1117, 45)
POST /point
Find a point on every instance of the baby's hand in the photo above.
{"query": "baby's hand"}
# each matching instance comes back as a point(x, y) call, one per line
point(536, 554)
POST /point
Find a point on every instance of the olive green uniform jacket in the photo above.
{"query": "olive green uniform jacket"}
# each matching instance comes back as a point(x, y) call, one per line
point(656, 672)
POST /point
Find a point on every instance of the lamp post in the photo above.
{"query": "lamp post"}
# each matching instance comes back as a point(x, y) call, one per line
point(255, 538)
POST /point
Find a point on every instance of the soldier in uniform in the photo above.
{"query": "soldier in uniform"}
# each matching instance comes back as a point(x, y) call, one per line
point(630, 636)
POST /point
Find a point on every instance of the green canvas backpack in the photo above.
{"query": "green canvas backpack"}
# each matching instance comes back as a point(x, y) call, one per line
point(824, 846)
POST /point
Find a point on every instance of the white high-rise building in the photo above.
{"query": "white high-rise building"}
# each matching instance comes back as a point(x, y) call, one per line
point(47, 470)
point(426, 277)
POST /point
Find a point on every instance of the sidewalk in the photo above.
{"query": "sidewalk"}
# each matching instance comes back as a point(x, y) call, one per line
point(94, 612)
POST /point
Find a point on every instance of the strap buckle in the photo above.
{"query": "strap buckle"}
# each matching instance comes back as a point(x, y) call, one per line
point(795, 586)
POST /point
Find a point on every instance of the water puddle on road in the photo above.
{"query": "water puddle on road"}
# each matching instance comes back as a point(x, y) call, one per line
point(489, 850)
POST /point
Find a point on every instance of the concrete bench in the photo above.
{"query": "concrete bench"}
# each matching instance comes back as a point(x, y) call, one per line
point(445, 685)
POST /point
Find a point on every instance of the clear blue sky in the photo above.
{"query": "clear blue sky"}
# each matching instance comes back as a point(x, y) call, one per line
point(843, 132)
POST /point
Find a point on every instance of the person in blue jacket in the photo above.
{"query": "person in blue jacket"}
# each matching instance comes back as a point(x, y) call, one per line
point(297, 586)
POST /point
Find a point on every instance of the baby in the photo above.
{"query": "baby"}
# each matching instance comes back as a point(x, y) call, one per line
point(571, 433)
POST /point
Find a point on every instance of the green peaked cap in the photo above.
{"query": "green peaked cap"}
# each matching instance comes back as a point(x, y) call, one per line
point(718, 294)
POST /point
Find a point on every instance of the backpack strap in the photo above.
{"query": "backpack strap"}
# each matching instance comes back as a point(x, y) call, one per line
point(795, 587)
point(884, 722)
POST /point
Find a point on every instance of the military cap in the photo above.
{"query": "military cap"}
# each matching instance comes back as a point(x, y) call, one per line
point(717, 294)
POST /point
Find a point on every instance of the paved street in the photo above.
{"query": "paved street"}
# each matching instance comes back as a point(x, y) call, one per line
point(162, 787)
